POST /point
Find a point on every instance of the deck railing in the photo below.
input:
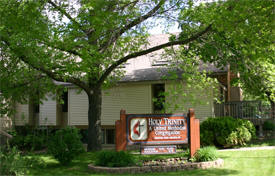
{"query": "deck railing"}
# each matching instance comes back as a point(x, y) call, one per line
point(243, 109)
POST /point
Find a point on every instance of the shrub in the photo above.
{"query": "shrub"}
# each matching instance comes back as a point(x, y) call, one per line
point(30, 138)
point(65, 145)
point(249, 125)
point(226, 131)
point(268, 126)
point(114, 159)
point(29, 142)
point(11, 162)
point(205, 154)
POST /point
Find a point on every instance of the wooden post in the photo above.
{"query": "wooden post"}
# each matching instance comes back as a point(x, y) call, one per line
point(194, 133)
point(228, 89)
point(121, 132)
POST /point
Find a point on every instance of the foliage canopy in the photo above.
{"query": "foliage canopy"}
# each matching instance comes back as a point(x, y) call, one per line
point(84, 42)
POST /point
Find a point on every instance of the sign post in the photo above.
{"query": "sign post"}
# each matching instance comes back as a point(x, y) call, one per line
point(154, 131)
point(121, 132)
point(194, 133)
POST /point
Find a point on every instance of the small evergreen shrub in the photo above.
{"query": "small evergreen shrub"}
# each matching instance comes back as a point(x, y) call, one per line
point(268, 126)
point(65, 145)
point(11, 162)
point(114, 159)
point(226, 131)
point(205, 154)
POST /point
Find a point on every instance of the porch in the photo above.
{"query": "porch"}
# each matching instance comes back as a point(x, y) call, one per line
point(255, 111)
point(244, 109)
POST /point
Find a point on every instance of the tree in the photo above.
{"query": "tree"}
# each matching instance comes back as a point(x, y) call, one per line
point(83, 42)
point(241, 36)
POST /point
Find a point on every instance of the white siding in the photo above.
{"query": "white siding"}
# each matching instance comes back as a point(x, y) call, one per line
point(203, 108)
point(77, 107)
point(22, 114)
point(134, 98)
point(47, 111)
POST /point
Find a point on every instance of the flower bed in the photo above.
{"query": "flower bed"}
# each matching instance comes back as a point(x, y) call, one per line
point(167, 165)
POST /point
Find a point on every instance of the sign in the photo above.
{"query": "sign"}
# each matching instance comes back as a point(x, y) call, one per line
point(152, 129)
point(158, 129)
point(148, 150)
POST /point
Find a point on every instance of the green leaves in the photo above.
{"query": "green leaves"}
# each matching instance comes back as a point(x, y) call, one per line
point(241, 36)
point(114, 159)
point(65, 145)
point(226, 131)
point(204, 154)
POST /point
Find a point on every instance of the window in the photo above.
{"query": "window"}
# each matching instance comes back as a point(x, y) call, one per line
point(103, 136)
point(158, 97)
point(65, 102)
point(108, 136)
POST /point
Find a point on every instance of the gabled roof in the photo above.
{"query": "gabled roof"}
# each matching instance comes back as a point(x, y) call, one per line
point(159, 73)
point(152, 67)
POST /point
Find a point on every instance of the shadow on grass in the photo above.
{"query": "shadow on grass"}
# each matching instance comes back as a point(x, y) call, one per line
point(196, 172)
point(50, 166)
point(261, 142)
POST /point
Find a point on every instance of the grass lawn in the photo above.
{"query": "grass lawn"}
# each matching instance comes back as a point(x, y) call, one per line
point(252, 163)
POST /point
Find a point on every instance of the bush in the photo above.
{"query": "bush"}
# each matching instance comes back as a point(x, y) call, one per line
point(29, 142)
point(11, 162)
point(114, 159)
point(205, 154)
point(226, 131)
point(26, 138)
point(268, 126)
point(65, 145)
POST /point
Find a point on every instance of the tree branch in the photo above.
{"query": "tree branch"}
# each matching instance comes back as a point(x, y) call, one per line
point(147, 51)
point(141, 18)
point(131, 24)
point(54, 76)
point(63, 12)
point(61, 48)
point(27, 82)
point(133, 3)
point(49, 73)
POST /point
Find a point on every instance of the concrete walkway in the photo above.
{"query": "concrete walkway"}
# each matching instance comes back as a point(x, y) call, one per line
point(250, 148)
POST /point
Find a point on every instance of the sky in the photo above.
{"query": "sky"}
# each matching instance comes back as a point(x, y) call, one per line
point(160, 29)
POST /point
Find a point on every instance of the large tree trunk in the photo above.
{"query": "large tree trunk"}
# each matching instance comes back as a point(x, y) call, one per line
point(94, 120)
